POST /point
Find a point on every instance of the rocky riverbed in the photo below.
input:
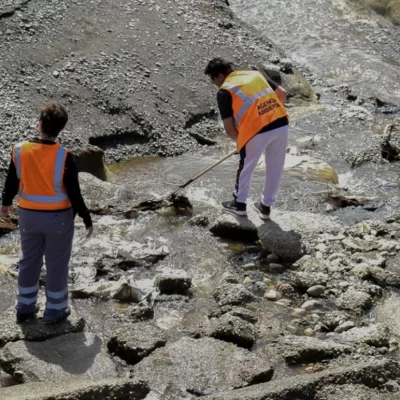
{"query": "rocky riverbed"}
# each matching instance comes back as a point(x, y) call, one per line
point(183, 305)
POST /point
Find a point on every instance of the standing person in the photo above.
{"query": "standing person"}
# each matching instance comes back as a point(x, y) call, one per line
point(45, 176)
point(254, 116)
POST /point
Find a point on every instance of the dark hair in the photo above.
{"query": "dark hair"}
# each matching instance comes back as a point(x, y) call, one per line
point(53, 117)
point(218, 66)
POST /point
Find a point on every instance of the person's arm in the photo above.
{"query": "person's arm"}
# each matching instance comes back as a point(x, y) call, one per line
point(71, 183)
point(10, 190)
point(224, 100)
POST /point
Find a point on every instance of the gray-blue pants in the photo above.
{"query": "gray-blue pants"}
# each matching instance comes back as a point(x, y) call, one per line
point(48, 235)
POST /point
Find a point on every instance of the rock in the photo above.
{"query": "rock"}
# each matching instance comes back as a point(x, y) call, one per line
point(168, 284)
point(236, 228)
point(141, 255)
point(316, 291)
point(199, 220)
point(333, 392)
point(309, 332)
point(244, 314)
point(296, 387)
point(7, 227)
point(56, 74)
point(139, 312)
point(376, 335)
point(272, 258)
point(272, 71)
point(311, 304)
point(306, 280)
point(302, 349)
point(90, 159)
point(123, 290)
point(201, 139)
point(136, 341)
point(387, 313)
point(75, 355)
point(276, 268)
point(271, 295)
point(383, 277)
point(361, 271)
point(345, 326)
point(390, 144)
point(234, 330)
point(36, 330)
point(201, 367)
point(78, 390)
point(354, 300)
point(359, 245)
point(231, 294)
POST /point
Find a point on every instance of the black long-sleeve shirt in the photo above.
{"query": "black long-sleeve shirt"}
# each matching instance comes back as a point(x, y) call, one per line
point(71, 183)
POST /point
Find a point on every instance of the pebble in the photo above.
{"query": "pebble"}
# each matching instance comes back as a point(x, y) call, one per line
point(272, 258)
point(56, 74)
point(310, 304)
point(298, 312)
point(276, 268)
point(247, 281)
point(309, 332)
point(316, 291)
point(249, 266)
point(345, 326)
point(271, 295)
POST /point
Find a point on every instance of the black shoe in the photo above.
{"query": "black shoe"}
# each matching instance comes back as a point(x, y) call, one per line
point(263, 211)
point(235, 207)
point(25, 317)
point(60, 316)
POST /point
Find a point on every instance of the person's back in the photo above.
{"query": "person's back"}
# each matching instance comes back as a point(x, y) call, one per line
point(45, 176)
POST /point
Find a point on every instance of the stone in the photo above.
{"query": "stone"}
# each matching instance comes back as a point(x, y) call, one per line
point(359, 245)
point(372, 259)
point(199, 220)
point(309, 332)
point(272, 258)
point(316, 291)
point(361, 271)
point(201, 367)
point(232, 227)
point(136, 341)
point(376, 335)
point(276, 268)
point(121, 389)
point(90, 159)
point(271, 295)
point(354, 300)
point(306, 280)
point(36, 330)
point(303, 349)
point(355, 392)
point(296, 387)
point(232, 294)
point(75, 355)
point(273, 71)
point(384, 278)
point(311, 304)
point(244, 314)
point(170, 284)
point(234, 330)
point(345, 326)
point(122, 290)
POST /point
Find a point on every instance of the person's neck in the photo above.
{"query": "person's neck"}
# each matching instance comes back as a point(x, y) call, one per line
point(43, 136)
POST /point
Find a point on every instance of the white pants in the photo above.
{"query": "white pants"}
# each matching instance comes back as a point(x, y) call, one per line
point(273, 144)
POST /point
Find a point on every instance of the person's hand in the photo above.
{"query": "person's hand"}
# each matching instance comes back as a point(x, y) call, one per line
point(89, 232)
point(6, 211)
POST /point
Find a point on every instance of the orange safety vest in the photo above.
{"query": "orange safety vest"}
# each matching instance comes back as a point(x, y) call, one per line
point(40, 170)
point(255, 104)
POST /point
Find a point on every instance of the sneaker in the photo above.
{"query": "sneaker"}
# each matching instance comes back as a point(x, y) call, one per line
point(235, 207)
point(58, 317)
point(25, 317)
point(263, 211)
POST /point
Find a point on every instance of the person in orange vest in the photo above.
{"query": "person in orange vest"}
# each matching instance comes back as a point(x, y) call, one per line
point(252, 109)
point(45, 176)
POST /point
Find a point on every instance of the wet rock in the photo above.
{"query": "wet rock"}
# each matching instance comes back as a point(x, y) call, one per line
point(201, 139)
point(136, 341)
point(301, 349)
point(316, 291)
point(90, 159)
point(376, 374)
point(244, 314)
point(78, 390)
point(333, 392)
point(236, 228)
point(36, 330)
point(173, 284)
point(376, 335)
point(383, 277)
point(354, 300)
point(199, 220)
point(232, 294)
point(123, 290)
point(312, 304)
point(345, 326)
point(276, 268)
point(272, 258)
point(75, 355)
point(139, 312)
point(286, 289)
point(201, 367)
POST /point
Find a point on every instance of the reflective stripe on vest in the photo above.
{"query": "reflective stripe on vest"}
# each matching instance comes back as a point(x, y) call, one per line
point(58, 179)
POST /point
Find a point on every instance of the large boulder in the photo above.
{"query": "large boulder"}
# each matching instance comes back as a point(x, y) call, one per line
point(201, 367)
point(36, 330)
point(78, 390)
point(136, 341)
point(76, 355)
